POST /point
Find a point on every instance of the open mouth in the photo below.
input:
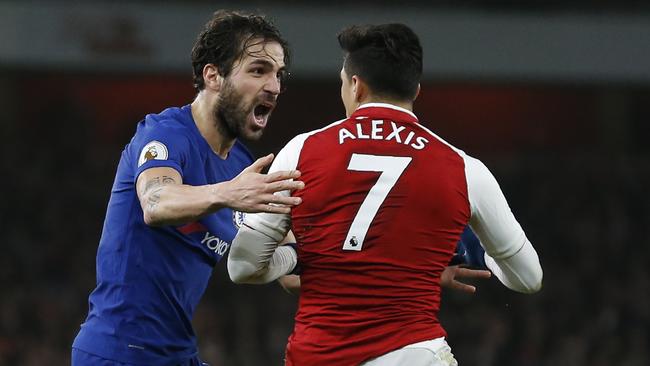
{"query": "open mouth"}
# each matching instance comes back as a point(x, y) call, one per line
point(261, 112)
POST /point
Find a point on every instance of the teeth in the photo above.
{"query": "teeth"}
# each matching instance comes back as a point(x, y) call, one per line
point(262, 109)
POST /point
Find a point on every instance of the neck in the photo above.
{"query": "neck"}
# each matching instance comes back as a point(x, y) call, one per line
point(207, 122)
point(408, 105)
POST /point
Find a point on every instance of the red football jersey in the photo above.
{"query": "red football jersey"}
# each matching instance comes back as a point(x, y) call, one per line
point(384, 204)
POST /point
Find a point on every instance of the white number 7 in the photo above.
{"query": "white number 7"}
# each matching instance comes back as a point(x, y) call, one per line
point(391, 168)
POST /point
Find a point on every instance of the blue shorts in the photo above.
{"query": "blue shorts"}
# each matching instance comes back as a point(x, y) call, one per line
point(81, 358)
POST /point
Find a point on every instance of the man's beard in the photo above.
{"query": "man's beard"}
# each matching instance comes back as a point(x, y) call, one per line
point(231, 114)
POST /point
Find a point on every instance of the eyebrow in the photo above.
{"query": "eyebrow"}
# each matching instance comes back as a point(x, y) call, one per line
point(261, 61)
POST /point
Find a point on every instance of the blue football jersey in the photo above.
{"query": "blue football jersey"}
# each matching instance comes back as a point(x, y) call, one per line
point(150, 279)
point(469, 251)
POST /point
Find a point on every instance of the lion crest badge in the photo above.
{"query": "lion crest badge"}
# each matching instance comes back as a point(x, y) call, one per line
point(154, 150)
point(238, 218)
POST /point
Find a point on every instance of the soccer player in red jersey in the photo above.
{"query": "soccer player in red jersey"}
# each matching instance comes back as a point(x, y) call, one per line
point(384, 204)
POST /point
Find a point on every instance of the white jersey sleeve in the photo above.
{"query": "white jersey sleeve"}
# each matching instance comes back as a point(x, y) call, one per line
point(508, 253)
point(255, 256)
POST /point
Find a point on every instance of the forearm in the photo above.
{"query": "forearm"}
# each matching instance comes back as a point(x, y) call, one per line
point(520, 272)
point(509, 253)
point(165, 200)
point(255, 258)
point(175, 204)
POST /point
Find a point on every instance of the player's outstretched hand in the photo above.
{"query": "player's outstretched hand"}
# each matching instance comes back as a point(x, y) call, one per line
point(252, 191)
point(451, 273)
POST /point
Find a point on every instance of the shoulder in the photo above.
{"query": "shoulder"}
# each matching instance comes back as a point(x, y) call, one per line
point(296, 143)
point(287, 158)
point(171, 120)
point(169, 127)
point(476, 173)
point(161, 136)
point(442, 142)
point(474, 168)
point(299, 140)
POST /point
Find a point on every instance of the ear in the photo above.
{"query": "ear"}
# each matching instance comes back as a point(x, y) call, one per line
point(211, 77)
point(417, 92)
point(359, 89)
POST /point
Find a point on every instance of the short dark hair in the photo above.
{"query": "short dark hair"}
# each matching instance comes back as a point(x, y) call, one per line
point(225, 39)
point(388, 57)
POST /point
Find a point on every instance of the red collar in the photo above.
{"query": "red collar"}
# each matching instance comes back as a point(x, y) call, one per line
point(384, 111)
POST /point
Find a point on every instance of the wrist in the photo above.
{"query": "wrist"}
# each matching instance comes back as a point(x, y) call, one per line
point(218, 196)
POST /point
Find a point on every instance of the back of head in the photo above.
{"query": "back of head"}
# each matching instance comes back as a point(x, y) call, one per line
point(225, 39)
point(388, 57)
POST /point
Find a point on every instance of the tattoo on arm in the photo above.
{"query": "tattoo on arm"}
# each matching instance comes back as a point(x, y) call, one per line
point(154, 185)
point(153, 182)
point(154, 198)
point(168, 180)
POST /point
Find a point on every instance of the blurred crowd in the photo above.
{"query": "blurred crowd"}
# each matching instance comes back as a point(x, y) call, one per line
point(586, 212)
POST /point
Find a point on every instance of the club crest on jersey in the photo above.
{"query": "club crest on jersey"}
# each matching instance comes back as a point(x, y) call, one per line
point(238, 218)
point(154, 150)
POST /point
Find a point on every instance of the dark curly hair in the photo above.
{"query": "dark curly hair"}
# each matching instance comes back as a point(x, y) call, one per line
point(388, 57)
point(225, 39)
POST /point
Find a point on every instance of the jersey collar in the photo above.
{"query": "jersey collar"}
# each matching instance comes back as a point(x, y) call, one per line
point(384, 110)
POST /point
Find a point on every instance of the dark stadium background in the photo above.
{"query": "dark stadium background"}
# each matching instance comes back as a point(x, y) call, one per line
point(568, 145)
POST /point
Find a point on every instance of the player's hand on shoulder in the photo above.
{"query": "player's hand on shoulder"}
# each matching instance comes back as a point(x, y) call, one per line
point(451, 274)
point(252, 191)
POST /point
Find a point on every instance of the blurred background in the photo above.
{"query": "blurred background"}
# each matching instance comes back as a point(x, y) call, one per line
point(554, 96)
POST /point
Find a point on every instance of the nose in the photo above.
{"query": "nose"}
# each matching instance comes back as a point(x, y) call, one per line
point(273, 85)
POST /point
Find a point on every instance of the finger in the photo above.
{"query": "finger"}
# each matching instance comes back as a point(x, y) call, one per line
point(472, 273)
point(282, 200)
point(282, 175)
point(457, 285)
point(260, 164)
point(286, 185)
point(274, 209)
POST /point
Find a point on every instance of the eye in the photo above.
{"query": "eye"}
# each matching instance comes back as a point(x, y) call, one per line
point(283, 76)
point(258, 71)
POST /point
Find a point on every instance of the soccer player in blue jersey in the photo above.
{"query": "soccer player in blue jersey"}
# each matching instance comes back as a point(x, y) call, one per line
point(181, 184)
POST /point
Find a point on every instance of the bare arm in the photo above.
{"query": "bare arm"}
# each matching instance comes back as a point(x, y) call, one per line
point(165, 200)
